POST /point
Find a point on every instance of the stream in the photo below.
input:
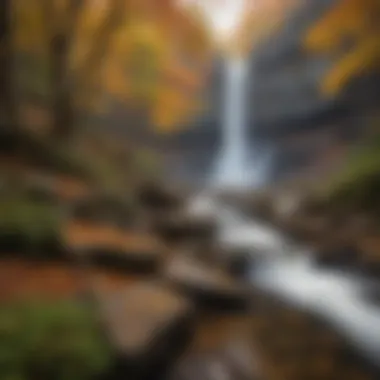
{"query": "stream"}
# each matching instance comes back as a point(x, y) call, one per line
point(287, 270)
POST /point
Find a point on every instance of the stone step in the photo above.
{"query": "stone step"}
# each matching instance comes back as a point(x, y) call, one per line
point(115, 248)
point(148, 325)
point(180, 228)
point(210, 287)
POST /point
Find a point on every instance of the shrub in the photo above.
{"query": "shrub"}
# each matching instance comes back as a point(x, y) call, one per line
point(58, 340)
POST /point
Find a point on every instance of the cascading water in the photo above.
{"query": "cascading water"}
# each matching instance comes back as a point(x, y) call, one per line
point(235, 167)
point(232, 167)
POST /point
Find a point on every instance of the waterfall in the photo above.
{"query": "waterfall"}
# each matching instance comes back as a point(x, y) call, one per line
point(237, 166)
point(232, 166)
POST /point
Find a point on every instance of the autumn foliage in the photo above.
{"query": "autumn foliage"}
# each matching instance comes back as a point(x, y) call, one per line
point(349, 30)
point(148, 53)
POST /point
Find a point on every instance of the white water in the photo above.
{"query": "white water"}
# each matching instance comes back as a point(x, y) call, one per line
point(288, 270)
point(232, 166)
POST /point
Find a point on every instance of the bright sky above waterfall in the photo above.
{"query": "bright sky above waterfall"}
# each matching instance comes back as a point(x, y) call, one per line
point(223, 15)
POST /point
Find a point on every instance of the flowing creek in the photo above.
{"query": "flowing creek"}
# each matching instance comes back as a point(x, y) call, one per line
point(287, 270)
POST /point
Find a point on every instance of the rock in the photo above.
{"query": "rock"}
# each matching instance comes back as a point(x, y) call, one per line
point(369, 248)
point(208, 286)
point(261, 205)
point(115, 248)
point(148, 325)
point(238, 262)
point(306, 228)
point(182, 228)
point(100, 208)
point(155, 197)
point(236, 361)
point(343, 256)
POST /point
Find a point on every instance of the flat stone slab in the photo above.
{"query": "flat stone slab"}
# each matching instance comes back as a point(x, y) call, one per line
point(210, 286)
point(147, 324)
point(179, 227)
point(112, 247)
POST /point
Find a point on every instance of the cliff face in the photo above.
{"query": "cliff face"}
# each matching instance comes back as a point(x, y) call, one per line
point(310, 132)
point(284, 78)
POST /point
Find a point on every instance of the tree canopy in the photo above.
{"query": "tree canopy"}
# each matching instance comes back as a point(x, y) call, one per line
point(142, 51)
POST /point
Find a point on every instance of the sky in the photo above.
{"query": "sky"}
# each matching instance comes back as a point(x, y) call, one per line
point(223, 15)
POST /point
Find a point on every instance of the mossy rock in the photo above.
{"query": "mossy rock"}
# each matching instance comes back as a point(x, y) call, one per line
point(29, 227)
point(108, 209)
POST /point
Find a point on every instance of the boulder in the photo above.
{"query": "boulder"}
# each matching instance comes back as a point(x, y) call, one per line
point(344, 256)
point(235, 361)
point(238, 262)
point(102, 208)
point(148, 326)
point(111, 247)
point(261, 205)
point(209, 286)
point(369, 250)
point(182, 228)
point(156, 197)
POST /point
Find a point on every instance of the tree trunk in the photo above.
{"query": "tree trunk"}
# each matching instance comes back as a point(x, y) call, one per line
point(62, 29)
point(63, 112)
point(8, 112)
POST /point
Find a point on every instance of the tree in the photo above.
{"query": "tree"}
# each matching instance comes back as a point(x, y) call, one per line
point(7, 101)
point(351, 29)
point(111, 49)
point(61, 25)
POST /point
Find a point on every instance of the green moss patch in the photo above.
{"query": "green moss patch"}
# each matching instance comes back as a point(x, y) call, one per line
point(59, 340)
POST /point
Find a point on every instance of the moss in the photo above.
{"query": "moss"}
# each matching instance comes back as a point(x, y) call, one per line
point(57, 340)
point(358, 185)
point(27, 225)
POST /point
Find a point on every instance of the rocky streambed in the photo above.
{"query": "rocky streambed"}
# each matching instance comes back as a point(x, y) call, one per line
point(258, 305)
point(202, 289)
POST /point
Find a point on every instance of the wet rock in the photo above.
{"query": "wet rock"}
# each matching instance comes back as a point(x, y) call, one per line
point(369, 248)
point(148, 325)
point(182, 228)
point(261, 205)
point(235, 361)
point(156, 197)
point(209, 286)
point(344, 256)
point(238, 262)
point(306, 228)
